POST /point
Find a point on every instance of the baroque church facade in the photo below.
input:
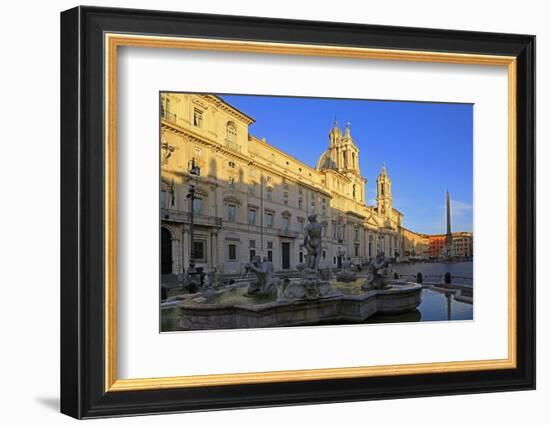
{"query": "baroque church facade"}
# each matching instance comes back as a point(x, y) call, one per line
point(254, 199)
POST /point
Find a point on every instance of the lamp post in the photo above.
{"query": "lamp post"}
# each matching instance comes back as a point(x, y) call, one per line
point(194, 170)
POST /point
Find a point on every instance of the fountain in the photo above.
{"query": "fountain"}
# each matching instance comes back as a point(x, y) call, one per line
point(310, 299)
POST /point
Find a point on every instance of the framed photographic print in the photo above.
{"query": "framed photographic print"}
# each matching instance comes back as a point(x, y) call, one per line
point(261, 212)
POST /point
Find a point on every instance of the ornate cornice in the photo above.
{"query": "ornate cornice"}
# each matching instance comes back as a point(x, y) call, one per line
point(219, 103)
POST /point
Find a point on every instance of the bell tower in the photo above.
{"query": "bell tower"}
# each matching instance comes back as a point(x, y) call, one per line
point(335, 135)
point(383, 192)
point(349, 153)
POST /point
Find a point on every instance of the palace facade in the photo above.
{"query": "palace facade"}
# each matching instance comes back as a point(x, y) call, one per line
point(415, 245)
point(254, 199)
point(460, 245)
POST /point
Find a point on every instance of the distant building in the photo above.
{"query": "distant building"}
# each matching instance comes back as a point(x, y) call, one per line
point(415, 245)
point(460, 246)
point(254, 199)
point(437, 245)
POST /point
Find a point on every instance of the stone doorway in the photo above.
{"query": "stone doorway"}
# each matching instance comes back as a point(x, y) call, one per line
point(285, 255)
point(166, 252)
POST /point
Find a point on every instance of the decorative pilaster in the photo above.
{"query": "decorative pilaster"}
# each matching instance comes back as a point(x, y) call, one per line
point(214, 249)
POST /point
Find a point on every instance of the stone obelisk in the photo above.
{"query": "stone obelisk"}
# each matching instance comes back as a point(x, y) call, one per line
point(449, 235)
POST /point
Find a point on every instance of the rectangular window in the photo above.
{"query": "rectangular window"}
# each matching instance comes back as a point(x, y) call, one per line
point(252, 254)
point(199, 250)
point(252, 216)
point(285, 223)
point(270, 245)
point(269, 194)
point(301, 224)
point(301, 257)
point(197, 118)
point(357, 250)
point(269, 220)
point(356, 234)
point(198, 204)
point(252, 188)
point(231, 213)
point(270, 255)
point(232, 254)
point(252, 243)
point(324, 254)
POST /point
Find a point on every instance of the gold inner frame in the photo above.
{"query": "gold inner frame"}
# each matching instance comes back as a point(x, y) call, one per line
point(113, 41)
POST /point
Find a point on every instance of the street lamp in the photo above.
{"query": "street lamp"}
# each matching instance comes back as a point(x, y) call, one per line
point(194, 170)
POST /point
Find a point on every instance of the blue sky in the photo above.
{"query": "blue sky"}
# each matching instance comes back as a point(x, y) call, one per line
point(427, 148)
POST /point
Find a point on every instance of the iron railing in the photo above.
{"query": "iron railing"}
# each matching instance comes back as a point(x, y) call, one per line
point(287, 233)
point(174, 119)
point(185, 217)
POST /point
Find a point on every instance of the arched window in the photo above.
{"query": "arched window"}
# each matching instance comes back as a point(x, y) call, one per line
point(353, 191)
point(231, 132)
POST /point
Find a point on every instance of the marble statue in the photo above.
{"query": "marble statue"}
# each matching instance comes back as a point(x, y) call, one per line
point(375, 270)
point(347, 274)
point(313, 284)
point(265, 283)
point(206, 283)
point(313, 233)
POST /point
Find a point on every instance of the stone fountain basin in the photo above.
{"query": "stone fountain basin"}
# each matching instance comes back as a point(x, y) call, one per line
point(199, 313)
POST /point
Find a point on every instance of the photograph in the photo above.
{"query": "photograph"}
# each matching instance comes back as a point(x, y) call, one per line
point(279, 211)
point(315, 207)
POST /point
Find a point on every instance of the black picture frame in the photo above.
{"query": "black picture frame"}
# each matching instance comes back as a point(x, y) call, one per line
point(83, 392)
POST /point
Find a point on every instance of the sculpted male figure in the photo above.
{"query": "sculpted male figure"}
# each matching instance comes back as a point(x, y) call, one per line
point(255, 267)
point(312, 242)
point(379, 261)
point(268, 267)
point(264, 274)
point(375, 278)
point(311, 286)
